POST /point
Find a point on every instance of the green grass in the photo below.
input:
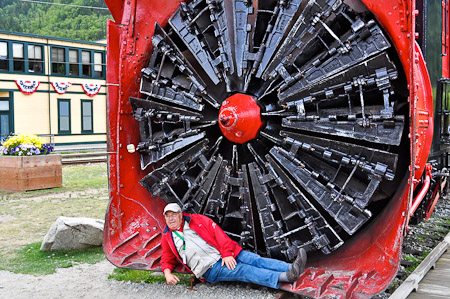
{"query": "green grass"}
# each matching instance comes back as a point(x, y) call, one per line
point(145, 276)
point(408, 270)
point(75, 178)
point(31, 260)
point(26, 217)
point(411, 258)
point(417, 260)
point(78, 177)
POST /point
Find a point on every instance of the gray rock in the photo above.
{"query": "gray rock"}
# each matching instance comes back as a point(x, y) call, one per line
point(73, 233)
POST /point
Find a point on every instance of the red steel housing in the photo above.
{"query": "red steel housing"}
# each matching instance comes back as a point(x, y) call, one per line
point(362, 267)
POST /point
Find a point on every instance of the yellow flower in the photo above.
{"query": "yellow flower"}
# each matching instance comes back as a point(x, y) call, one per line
point(24, 139)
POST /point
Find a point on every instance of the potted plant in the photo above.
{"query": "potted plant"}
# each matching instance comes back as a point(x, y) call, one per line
point(25, 164)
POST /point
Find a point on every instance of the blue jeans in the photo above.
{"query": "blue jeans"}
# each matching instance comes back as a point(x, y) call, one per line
point(250, 268)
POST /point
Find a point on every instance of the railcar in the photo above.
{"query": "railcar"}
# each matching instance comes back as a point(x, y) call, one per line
point(291, 123)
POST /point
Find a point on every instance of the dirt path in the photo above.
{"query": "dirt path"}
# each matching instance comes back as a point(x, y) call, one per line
point(90, 281)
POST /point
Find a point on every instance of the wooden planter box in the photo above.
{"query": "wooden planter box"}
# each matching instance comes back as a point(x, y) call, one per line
point(23, 173)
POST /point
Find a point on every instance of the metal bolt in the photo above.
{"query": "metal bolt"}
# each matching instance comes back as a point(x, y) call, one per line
point(131, 148)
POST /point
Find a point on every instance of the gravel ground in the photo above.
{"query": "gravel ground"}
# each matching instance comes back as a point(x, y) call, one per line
point(91, 281)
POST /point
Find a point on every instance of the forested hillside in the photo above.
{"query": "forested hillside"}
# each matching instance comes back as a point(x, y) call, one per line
point(55, 20)
point(90, 24)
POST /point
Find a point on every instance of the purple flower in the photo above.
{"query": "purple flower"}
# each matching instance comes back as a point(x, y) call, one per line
point(46, 149)
point(16, 149)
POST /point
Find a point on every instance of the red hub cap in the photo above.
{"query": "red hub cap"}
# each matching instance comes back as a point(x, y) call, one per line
point(240, 118)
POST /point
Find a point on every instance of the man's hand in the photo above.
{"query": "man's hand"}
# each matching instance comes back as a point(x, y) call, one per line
point(170, 278)
point(230, 262)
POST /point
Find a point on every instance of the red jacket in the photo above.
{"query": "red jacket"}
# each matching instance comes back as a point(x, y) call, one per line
point(208, 230)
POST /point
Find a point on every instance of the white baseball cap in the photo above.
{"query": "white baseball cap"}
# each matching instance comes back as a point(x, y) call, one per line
point(172, 207)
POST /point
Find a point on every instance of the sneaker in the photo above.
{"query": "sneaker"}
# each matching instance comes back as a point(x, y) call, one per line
point(298, 266)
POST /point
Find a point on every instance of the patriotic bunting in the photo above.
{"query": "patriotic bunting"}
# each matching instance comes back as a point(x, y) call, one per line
point(61, 87)
point(30, 86)
point(91, 89)
point(27, 86)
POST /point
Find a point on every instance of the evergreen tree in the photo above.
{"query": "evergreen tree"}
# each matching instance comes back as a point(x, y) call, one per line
point(56, 20)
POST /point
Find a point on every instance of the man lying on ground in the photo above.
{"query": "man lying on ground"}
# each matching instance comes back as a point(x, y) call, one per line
point(199, 244)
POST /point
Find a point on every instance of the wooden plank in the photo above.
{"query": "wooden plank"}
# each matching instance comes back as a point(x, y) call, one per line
point(445, 264)
point(440, 223)
point(436, 229)
point(437, 277)
point(445, 261)
point(30, 173)
point(412, 251)
point(435, 236)
point(41, 161)
point(415, 295)
point(10, 162)
point(432, 289)
point(406, 263)
point(10, 178)
point(42, 177)
point(41, 183)
point(412, 281)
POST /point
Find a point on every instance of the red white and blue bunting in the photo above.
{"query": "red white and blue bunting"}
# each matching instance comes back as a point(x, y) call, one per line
point(27, 86)
point(61, 87)
point(91, 89)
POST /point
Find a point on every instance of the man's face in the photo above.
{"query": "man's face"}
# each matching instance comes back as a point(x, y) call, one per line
point(173, 219)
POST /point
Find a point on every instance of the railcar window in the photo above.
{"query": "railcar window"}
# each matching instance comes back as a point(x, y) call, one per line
point(58, 61)
point(98, 65)
point(35, 62)
point(86, 116)
point(86, 63)
point(63, 116)
point(18, 58)
point(3, 56)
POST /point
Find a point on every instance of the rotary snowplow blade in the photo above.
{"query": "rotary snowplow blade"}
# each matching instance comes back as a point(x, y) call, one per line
point(286, 122)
